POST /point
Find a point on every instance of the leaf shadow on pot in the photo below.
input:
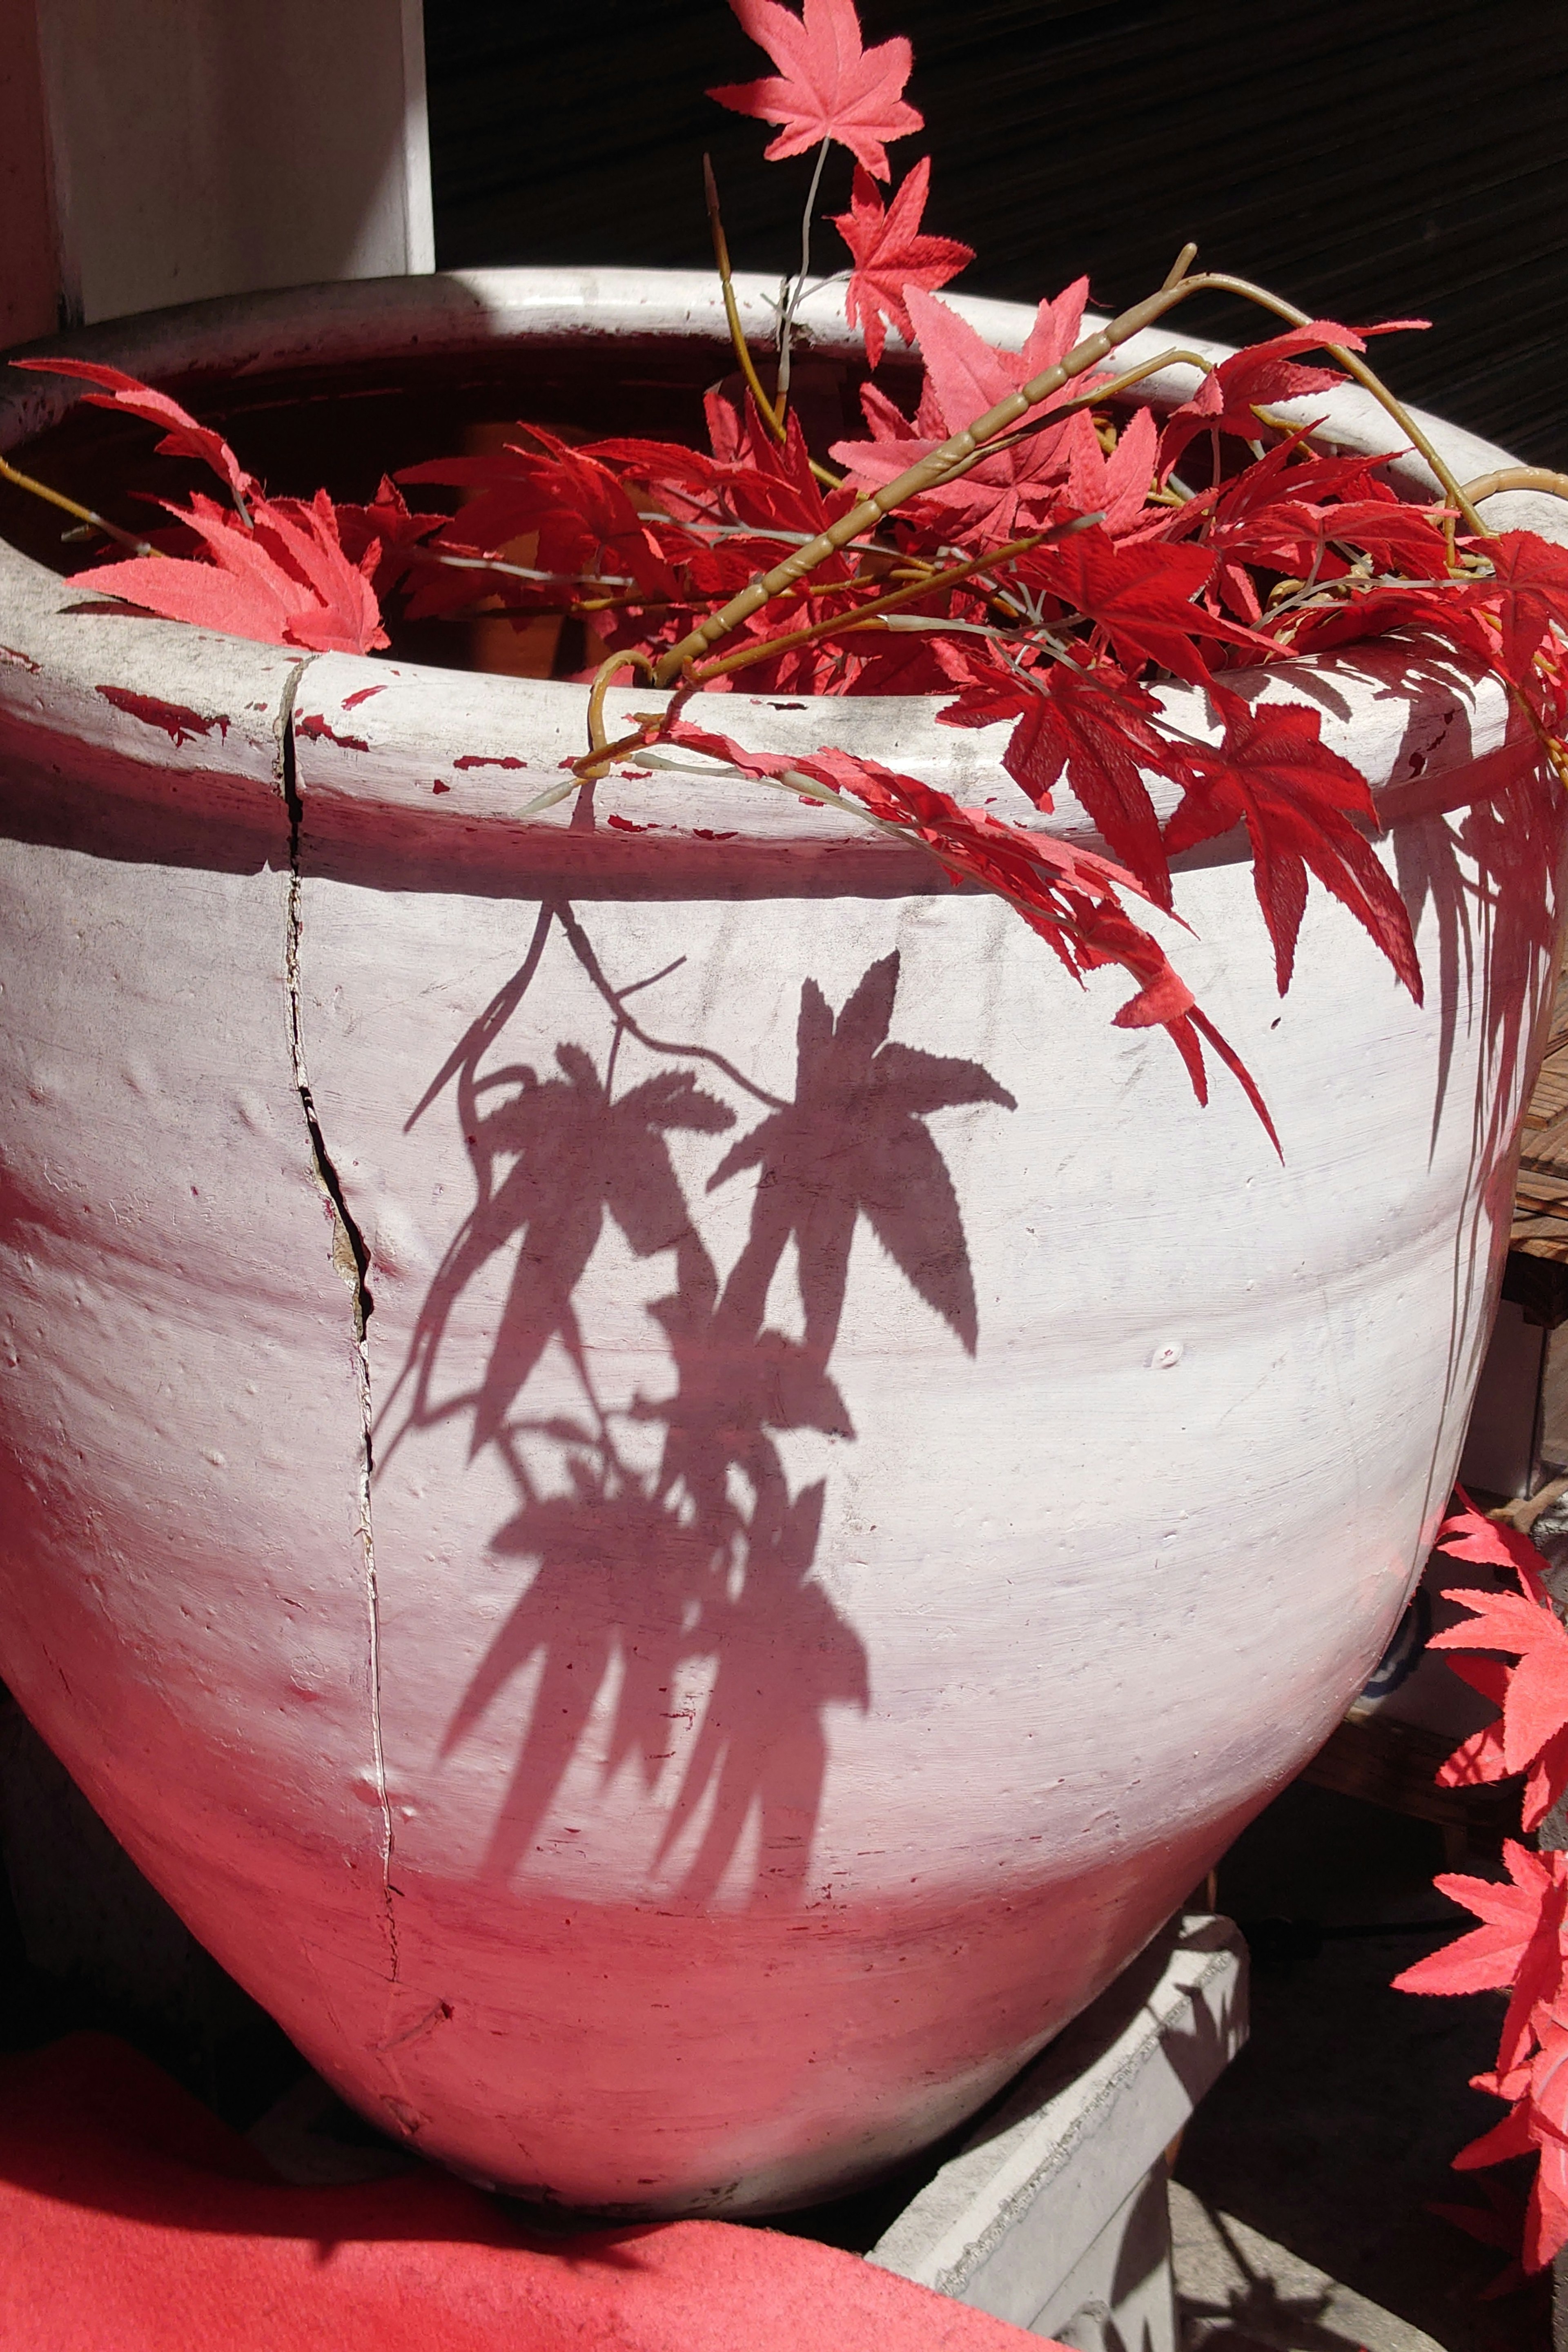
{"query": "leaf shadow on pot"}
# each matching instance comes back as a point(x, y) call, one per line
point(1487, 868)
point(673, 1614)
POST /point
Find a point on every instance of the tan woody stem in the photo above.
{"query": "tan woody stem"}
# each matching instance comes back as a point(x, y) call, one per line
point(1516, 477)
point(83, 514)
point(771, 417)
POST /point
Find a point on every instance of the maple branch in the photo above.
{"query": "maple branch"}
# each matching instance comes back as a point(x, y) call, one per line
point(1102, 393)
point(601, 752)
point(858, 614)
point(519, 571)
point(83, 514)
point(939, 463)
point(1515, 478)
point(772, 418)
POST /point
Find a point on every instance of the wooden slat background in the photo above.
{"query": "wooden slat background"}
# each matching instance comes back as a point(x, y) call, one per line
point(1541, 1204)
point(1366, 157)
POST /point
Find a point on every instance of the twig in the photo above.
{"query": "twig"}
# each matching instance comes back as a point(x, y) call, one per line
point(600, 753)
point(83, 514)
point(1515, 478)
point(519, 571)
point(791, 301)
point(1355, 367)
point(772, 418)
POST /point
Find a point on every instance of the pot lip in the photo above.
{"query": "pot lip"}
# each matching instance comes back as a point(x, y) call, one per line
point(451, 311)
point(369, 768)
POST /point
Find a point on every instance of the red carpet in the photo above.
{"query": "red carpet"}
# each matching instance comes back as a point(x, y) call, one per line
point(132, 2221)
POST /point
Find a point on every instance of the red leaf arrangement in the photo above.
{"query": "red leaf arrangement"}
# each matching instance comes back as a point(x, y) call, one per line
point(271, 569)
point(1297, 799)
point(1522, 1943)
point(1531, 1734)
point(828, 85)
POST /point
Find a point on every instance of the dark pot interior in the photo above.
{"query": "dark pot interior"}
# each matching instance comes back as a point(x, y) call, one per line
point(342, 426)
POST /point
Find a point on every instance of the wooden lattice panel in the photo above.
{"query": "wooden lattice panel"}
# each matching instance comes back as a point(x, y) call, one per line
point(1541, 1204)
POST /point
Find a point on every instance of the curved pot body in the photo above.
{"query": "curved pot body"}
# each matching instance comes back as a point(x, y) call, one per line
point(668, 1493)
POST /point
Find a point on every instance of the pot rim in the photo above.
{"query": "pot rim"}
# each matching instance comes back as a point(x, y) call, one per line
point(392, 765)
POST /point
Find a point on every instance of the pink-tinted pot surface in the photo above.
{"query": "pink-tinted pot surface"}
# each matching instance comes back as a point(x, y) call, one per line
point(668, 1493)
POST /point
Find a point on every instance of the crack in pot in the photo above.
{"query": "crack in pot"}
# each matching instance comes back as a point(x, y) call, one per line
point(352, 1259)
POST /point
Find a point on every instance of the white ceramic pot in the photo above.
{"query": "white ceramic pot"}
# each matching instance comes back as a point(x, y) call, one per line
point(854, 1487)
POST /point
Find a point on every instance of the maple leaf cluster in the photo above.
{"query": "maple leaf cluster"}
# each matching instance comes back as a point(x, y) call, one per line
point(1522, 1945)
point(1053, 578)
point(274, 569)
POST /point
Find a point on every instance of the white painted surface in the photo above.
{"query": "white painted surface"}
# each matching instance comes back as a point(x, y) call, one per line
point(774, 1687)
point(201, 147)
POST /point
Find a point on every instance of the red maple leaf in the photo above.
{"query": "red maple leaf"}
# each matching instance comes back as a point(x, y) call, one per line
point(1398, 537)
point(1531, 1733)
point(1483, 1757)
point(388, 521)
point(1520, 1943)
point(892, 252)
point(285, 582)
point(586, 523)
point(183, 436)
point(1116, 487)
point(1297, 798)
point(768, 482)
point(1528, 592)
point(1546, 2223)
point(1259, 374)
point(1141, 597)
point(1101, 735)
point(1536, 2125)
point(1492, 1543)
point(1479, 1758)
point(1373, 612)
point(965, 375)
point(1296, 516)
point(828, 86)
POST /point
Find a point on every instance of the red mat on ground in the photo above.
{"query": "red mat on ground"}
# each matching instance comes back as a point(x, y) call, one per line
point(132, 2221)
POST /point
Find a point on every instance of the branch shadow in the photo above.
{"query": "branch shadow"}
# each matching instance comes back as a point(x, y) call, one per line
point(671, 1570)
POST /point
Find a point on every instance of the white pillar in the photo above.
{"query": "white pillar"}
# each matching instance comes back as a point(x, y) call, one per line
point(198, 147)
